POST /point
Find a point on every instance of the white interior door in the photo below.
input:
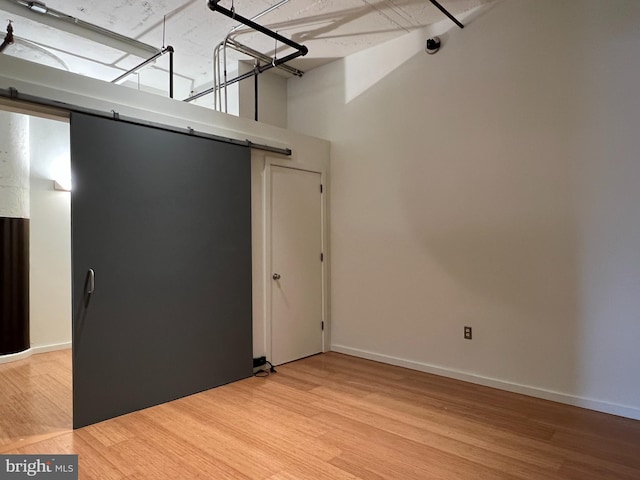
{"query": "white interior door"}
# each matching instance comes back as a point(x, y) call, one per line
point(296, 265)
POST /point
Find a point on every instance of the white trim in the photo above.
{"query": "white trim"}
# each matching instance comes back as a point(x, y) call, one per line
point(589, 403)
point(325, 265)
point(33, 351)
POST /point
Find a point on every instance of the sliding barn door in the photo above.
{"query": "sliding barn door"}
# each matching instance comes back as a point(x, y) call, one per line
point(161, 241)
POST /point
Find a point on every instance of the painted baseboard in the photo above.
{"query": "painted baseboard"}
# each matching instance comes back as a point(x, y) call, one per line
point(34, 351)
point(589, 403)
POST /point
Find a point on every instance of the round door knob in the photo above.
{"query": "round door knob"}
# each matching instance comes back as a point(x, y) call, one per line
point(276, 276)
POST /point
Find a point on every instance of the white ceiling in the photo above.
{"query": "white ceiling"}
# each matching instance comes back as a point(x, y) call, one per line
point(330, 29)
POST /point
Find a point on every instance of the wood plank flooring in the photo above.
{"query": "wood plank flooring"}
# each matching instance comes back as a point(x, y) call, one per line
point(329, 416)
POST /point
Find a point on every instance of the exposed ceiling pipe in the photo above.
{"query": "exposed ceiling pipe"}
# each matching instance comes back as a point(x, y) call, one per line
point(446, 12)
point(257, 70)
point(219, 84)
point(261, 14)
point(169, 50)
point(223, 45)
point(239, 47)
point(255, 92)
point(39, 12)
point(301, 50)
point(8, 39)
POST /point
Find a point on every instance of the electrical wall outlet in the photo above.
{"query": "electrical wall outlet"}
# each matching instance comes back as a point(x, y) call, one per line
point(467, 333)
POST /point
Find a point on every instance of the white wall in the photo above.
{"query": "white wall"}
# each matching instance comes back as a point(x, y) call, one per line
point(50, 236)
point(231, 97)
point(493, 184)
point(272, 96)
point(308, 152)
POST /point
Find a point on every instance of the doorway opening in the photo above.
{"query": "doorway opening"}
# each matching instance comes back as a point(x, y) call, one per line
point(37, 388)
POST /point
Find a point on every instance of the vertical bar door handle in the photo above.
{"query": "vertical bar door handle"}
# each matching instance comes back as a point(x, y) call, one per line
point(91, 283)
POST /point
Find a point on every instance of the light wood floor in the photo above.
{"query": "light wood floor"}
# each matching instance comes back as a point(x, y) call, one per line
point(329, 416)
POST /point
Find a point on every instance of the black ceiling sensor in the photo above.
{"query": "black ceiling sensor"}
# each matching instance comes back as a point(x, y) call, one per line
point(433, 45)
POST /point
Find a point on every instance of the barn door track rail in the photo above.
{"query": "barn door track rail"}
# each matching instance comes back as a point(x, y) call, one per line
point(12, 94)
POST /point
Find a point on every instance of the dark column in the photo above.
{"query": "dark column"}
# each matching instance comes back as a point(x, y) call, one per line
point(14, 233)
point(14, 285)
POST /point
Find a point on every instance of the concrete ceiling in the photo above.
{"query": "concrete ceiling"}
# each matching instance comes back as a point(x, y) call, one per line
point(330, 29)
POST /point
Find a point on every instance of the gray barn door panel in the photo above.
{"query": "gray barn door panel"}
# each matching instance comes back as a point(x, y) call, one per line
point(163, 220)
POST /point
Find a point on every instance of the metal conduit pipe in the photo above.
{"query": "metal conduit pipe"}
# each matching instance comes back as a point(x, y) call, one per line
point(149, 60)
point(217, 75)
point(215, 59)
point(217, 78)
point(224, 50)
point(256, 71)
point(255, 90)
point(224, 63)
point(215, 72)
point(219, 84)
point(228, 39)
point(261, 14)
point(238, 47)
point(171, 52)
point(39, 12)
point(213, 5)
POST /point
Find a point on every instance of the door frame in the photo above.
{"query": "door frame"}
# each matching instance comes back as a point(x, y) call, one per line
point(58, 115)
point(271, 162)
